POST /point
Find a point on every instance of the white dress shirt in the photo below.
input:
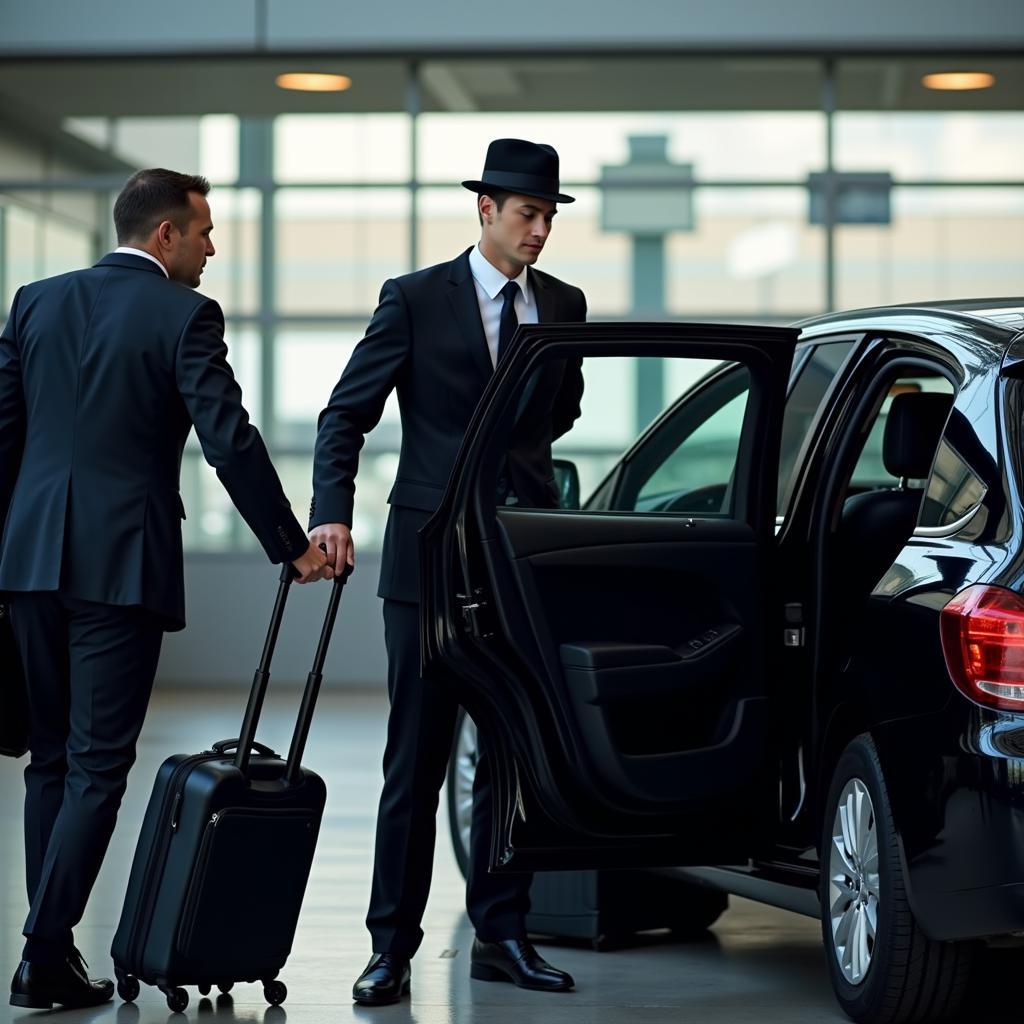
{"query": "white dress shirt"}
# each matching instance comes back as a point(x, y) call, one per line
point(489, 281)
point(145, 255)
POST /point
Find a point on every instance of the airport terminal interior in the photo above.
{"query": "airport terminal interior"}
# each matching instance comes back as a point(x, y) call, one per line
point(741, 164)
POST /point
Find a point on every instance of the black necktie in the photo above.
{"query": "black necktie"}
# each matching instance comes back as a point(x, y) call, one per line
point(509, 321)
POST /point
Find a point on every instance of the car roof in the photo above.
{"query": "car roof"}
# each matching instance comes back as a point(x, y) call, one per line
point(1005, 313)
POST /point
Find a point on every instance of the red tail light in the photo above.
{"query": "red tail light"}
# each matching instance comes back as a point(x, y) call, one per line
point(983, 641)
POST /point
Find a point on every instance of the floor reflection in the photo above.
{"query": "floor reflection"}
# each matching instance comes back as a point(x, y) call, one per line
point(757, 965)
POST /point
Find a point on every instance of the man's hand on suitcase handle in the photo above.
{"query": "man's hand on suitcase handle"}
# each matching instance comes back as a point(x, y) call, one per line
point(313, 566)
point(336, 540)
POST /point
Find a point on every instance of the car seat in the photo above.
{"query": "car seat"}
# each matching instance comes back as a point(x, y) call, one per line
point(876, 525)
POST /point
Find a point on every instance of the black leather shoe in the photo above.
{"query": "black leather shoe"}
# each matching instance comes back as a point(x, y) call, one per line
point(517, 961)
point(385, 980)
point(37, 986)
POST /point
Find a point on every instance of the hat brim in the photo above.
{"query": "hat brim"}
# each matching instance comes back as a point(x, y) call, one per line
point(485, 188)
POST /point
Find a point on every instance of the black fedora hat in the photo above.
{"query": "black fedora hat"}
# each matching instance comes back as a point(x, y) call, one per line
point(526, 168)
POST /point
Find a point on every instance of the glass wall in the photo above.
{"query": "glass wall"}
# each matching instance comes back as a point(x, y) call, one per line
point(40, 237)
point(313, 210)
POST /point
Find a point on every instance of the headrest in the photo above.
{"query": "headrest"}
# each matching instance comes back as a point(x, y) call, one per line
point(912, 432)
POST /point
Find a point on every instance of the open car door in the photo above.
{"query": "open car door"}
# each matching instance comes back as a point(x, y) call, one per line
point(619, 665)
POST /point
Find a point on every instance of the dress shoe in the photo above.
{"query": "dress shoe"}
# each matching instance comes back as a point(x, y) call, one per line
point(38, 985)
point(385, 980)
point(517, 961)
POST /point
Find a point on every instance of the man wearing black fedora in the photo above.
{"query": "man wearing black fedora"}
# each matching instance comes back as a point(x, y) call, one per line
point(436, 337)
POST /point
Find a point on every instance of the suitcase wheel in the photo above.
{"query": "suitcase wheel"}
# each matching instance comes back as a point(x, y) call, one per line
point(204, 990)
point(275, 992)
point(226, 986)
point(128, 987)
point(177, 999)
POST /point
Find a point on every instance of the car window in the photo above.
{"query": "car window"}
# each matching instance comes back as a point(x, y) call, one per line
point(697, 446)
point(808, 391)
point(694, 476)
point(954, 489)
point(687, 464)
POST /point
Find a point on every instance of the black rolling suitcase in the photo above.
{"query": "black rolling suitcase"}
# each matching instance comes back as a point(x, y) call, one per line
point(224, 854)
point(609, 909)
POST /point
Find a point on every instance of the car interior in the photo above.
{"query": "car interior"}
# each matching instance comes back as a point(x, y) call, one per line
point(881, 504)
point(877, 523)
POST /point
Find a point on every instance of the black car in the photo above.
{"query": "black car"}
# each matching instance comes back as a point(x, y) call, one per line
point(782, 641)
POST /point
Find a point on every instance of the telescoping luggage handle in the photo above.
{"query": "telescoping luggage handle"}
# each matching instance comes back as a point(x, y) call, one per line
point(246, 739)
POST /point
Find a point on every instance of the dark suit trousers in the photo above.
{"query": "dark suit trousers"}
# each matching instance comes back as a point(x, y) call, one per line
point(90, 670)
point(421, 729)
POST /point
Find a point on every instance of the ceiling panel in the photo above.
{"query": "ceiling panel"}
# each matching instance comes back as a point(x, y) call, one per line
point(245, 86)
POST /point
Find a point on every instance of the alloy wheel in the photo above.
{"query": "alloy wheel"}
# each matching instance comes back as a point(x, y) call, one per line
point(465, 773)
point(853, 892)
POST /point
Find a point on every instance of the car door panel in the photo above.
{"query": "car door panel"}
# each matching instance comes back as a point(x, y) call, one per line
point(640, 682)
point(615, 663)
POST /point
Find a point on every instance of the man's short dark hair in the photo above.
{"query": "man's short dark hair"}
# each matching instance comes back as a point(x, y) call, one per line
point(498, 195)
point(152, 196)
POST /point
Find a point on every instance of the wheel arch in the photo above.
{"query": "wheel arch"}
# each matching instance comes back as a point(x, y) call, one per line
point(845, 724)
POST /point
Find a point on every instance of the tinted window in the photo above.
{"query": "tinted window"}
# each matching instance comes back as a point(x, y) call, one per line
point(954, 489)
point(687, 465)
point(805, 398)
point(690, 460)
point(694, 476)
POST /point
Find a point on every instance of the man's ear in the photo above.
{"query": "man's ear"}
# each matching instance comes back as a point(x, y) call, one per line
point(485, 204)
point(164, 234)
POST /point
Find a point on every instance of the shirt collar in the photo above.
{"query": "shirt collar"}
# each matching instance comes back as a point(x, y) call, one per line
point(491, 279)
point(145, 255)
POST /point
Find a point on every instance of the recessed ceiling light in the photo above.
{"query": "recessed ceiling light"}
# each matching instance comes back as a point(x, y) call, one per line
point(959, 80)
point(307, 81)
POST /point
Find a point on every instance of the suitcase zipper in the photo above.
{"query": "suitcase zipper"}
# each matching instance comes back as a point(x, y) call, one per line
point(175, 809)
point(195, 885)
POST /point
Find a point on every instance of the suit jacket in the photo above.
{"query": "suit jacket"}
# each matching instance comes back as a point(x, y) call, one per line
point(426, 341)
point(103, 372)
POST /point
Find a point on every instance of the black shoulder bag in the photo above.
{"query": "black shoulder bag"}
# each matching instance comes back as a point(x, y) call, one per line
point(13, 692)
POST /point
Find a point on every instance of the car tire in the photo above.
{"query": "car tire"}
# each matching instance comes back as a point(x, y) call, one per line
point(459, 788)
point(888, 971)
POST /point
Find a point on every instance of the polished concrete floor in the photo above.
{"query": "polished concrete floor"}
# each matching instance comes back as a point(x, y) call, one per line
point(757, 964)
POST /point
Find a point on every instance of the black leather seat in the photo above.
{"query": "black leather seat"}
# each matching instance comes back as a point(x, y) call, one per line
point(876, 525)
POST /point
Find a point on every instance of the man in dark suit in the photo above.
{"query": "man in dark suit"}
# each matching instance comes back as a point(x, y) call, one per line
point(435, 338)
point(103, 372)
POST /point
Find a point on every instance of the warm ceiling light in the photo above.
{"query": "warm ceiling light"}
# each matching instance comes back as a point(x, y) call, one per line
point(959, 80)
point(313, 82)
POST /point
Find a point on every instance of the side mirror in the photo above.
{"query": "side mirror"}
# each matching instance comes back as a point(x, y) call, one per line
point(567, 480)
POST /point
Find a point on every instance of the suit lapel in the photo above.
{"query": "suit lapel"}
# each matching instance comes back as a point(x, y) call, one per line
point(543, 297)
point(545, 300)
point(462, 293)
